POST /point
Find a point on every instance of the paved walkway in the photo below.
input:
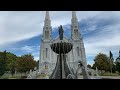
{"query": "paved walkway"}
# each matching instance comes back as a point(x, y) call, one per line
point(110, 77)
point(102, 77)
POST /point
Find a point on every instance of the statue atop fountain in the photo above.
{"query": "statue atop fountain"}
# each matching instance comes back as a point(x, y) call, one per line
point(61, 31)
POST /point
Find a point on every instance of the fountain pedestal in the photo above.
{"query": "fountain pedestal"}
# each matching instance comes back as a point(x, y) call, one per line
point(62, 70)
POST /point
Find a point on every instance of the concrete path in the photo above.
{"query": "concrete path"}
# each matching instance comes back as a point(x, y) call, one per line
point(101, 77)
point(110, 77)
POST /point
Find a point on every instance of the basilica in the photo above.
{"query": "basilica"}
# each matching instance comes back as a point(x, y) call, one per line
point(48, 58)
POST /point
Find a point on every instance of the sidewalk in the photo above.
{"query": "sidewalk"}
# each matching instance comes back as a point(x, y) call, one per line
point(110, 77)
point(101, 77)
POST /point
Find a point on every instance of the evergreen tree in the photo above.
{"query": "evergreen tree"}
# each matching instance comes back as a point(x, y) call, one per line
point(111, 61)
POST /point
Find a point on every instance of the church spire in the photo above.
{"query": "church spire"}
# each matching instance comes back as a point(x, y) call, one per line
point(74, 18)
point(74, 15)
point(47, 21)
point(47, 16)
point(47, 29)
point(75, 27)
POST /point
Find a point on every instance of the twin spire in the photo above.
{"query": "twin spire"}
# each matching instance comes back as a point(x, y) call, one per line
point(74, 14)
point(47, 16)
point(48, 28)
point(47, 21)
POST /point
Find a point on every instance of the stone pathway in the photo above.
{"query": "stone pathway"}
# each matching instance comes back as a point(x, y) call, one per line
point(101, 77)
point(110, 77)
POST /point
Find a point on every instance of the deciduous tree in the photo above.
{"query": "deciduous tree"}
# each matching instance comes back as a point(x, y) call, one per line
point(25, 63)
point(102, 62)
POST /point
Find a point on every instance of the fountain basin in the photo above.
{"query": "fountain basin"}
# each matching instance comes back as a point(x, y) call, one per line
point(61, 47)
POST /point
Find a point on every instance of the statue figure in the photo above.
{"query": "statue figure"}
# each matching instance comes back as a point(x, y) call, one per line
point(85, 73)
point(61, 32)
point(35, 68)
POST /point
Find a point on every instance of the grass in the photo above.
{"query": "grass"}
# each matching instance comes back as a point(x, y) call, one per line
point(110, 74)
point(5, 76)
point(41, 76)
point(8, 76)
point(14, 77)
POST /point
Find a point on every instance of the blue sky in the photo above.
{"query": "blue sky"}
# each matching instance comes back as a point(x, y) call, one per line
point(20, 31)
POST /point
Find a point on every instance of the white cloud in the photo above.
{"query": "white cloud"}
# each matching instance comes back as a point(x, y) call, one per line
point(27, 48)
point(36, 58)
point(32, 50)
point(21, 25)
point(104, 39)
point(108, 38)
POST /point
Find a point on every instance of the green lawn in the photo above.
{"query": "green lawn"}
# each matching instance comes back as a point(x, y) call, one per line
point(8, 76)
point(41, 76)
point(110, 74)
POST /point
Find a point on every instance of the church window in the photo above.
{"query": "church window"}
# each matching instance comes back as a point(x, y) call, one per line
point(78, 53)
point(43, 54)
point(76, 33)
point(75, 26)
point(46, 34)
point(46, 27)
point(46, 52)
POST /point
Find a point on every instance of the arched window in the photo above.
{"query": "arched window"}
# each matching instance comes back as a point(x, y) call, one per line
point(46, 34)
point(76, 33)
point(43, 54)
point(75, 26)
point(78, 53)
point(46, 52)
point(46, 28)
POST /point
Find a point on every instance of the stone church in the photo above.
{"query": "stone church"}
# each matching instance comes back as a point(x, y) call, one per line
point(48, 58)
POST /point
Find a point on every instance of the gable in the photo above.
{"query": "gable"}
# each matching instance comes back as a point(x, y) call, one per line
point(65, 39)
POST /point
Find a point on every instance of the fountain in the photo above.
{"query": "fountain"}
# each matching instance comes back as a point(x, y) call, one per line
point(62, 70)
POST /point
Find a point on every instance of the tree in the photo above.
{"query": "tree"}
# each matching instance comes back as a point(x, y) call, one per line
point(101, 62)
point(111, 60)
point(25, 63)
point(89, 66)
point(118, 63)
point(12, 70)
point(37, 63)
point(94, 66)
point(118, 66)
point(2, 63)
point(114, 68)
point(11, 62)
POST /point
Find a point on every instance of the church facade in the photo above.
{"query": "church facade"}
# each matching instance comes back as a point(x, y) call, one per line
point(48, 58)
